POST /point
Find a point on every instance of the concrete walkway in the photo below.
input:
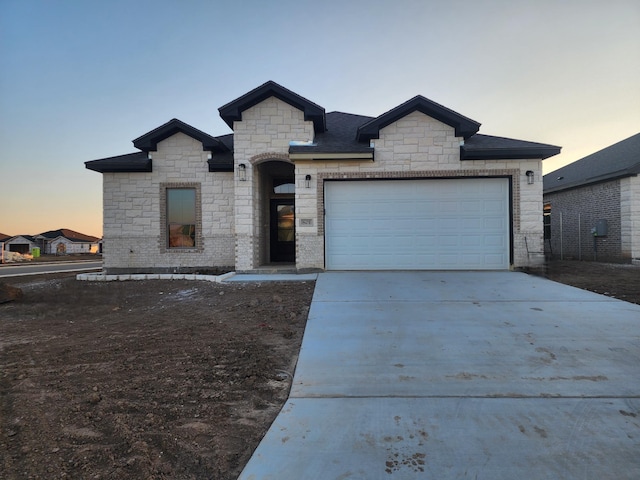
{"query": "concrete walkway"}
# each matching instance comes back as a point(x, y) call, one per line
point(447, 375)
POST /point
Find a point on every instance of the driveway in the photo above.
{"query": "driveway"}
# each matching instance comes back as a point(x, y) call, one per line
point(481, 375)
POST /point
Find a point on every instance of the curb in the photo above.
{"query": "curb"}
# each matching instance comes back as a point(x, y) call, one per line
point(100, 277)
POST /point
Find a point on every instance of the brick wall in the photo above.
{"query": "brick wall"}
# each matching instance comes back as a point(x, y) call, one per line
point(133, 222)
point(575, 212)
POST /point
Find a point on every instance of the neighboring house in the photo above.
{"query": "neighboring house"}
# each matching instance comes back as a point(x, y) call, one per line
point(21, 244)
point(414, 188)
point(592, 206)
point(65, 242)
point(4, 237)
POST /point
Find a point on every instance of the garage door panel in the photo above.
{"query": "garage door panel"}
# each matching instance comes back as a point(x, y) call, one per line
point(417, 224)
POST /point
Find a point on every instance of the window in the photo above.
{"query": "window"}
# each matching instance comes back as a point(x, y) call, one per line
point(283, 186)
point(181, 217)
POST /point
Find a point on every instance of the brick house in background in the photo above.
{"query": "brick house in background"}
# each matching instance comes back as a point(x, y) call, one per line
point(592, 206)
point(414, 188)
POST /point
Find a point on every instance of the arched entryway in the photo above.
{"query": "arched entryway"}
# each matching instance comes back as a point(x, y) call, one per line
point(277, 213)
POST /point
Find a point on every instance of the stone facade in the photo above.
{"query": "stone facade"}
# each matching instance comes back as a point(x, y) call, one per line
point(418, 146)
point(134, 225)
point(234, 225)
point(263, 135)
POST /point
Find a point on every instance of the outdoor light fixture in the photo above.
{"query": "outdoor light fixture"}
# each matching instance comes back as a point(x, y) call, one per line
point(307, 181)
point(529, 175)
point(242, 172)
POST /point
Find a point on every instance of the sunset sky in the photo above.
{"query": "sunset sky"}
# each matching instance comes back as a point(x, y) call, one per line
point(79, 80)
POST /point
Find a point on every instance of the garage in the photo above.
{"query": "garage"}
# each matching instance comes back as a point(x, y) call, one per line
point(426, 224)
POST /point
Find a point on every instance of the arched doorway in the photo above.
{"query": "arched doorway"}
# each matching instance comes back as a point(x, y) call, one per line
point(277, 192)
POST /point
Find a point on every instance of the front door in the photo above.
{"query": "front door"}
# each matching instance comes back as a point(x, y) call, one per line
point(283, 232)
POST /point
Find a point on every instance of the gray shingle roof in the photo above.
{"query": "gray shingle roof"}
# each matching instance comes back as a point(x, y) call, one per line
point(69, 235)
point(340, 136)
point(620, 160)
point(131, 162)
point(488, 147)
point(335, 132)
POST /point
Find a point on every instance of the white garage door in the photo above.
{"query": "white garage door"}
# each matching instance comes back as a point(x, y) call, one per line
point(452, 224)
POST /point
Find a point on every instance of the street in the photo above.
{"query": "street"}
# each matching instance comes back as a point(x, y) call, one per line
point(15, 270)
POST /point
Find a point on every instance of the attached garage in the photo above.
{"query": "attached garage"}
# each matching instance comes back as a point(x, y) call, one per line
point(426, 224)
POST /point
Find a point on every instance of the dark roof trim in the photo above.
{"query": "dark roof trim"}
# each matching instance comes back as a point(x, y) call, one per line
point(464, 127)
point(222, 162)
point(627, 172)
point(149, 141)
point(489, 147)
point(232, 111)
point(132, 162)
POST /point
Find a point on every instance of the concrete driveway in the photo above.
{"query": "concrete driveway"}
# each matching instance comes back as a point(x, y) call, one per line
point(481, 375)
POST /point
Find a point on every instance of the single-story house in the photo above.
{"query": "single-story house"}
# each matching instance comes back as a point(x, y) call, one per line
point(592, 206)
point(65, 241)
point(414, 188)
point(22, 244)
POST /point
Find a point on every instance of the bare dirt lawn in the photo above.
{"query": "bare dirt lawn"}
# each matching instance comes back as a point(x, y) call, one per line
point(163, 379)
point(621, 281)
point(144, 379)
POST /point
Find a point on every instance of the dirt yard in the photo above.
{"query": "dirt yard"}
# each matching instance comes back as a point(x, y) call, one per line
point(143, 380)
point(163, 379)
point(621, 281)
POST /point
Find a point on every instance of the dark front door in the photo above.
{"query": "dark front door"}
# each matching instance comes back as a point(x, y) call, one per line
point(283, 231)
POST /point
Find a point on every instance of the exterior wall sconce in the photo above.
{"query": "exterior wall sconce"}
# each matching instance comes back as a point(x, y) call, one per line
point(307, 181)
point(242, 172)
point(529, 175)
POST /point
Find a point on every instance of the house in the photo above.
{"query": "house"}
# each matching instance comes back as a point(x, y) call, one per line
point(414, 188)
point(4, 237)
point(65, 241)
point(592, 206)
point(22, 244)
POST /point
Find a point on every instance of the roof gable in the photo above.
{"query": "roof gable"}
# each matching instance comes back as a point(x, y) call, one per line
point(619, 160)
point(464, 127)
point(28, 238)
point(149, 141)
point(232, 111)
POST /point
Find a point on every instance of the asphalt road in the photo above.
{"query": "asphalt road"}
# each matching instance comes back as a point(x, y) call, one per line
point(16, 270)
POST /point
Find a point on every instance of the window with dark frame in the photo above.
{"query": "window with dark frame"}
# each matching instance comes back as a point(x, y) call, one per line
point(181, 217)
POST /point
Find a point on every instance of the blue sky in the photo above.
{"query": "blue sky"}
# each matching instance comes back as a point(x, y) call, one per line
point(80, 79)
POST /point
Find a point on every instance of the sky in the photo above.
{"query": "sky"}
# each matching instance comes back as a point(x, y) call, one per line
point(79, 80)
